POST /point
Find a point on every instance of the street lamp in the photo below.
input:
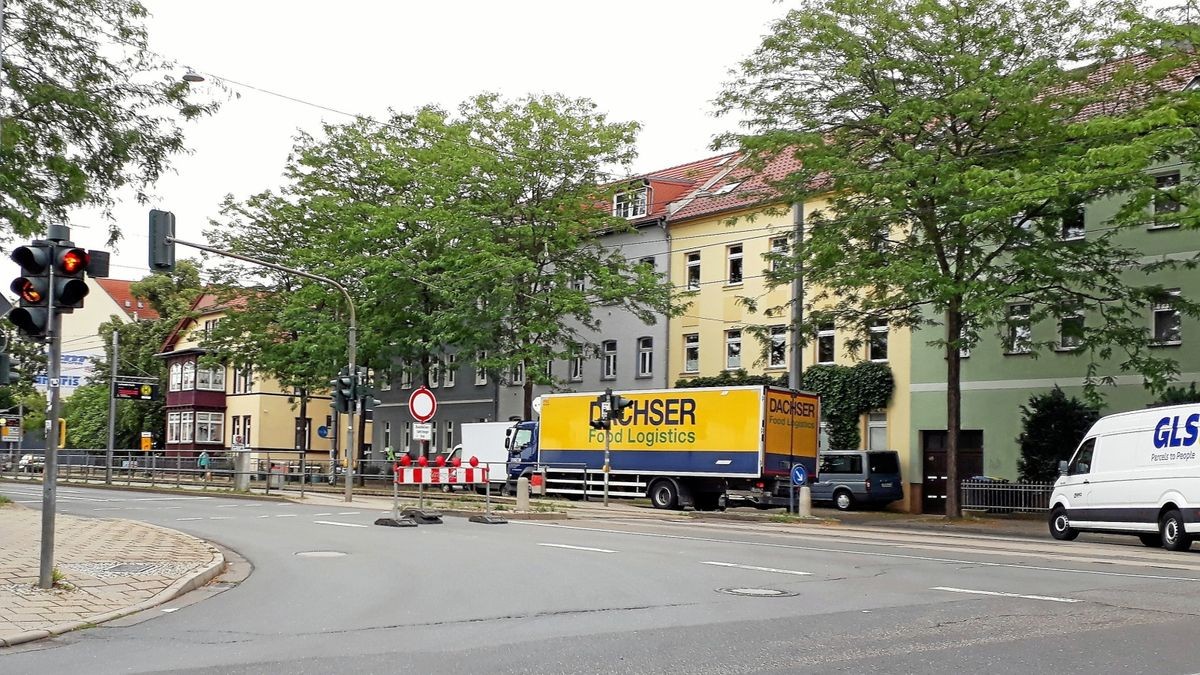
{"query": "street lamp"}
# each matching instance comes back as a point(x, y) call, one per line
point(192, 76)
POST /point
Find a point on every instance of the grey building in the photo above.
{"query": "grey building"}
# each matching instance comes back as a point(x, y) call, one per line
point(464, 395)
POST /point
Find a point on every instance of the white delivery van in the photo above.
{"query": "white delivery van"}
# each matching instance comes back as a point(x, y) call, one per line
point(1134, 473)
point(486, 441)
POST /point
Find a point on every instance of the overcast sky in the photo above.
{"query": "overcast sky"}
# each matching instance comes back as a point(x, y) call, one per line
point(658, 62)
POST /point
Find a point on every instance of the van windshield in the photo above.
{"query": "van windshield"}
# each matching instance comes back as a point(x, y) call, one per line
point(884, 462)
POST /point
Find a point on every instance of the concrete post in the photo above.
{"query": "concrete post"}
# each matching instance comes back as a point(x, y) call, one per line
point(805, 501)
point(241, 471)
point(522, 494)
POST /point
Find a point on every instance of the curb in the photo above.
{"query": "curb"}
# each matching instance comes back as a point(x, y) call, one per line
point(181, 586)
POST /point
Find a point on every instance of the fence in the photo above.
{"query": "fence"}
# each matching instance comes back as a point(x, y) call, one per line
point(995, 496)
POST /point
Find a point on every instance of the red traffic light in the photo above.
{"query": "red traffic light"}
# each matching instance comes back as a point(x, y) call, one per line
point(73, 260)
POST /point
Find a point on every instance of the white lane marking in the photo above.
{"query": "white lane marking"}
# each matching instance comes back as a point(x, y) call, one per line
point(220, 517)
point(250, 506)
point(349, 513)
point(189, 519)
point(322, 514)
point(285, 515)
point(1002, 595)
point(171, 609)
point(331, 522)
point(160, 499)
point(868, 554)
point(227, 506)
point(266, 516)
point(755, 568)
point(28, 501)
point(109, 508)
point(579, 548)
point(169, 508)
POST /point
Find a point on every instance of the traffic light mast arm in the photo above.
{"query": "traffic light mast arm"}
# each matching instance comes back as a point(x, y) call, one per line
point(351, 347)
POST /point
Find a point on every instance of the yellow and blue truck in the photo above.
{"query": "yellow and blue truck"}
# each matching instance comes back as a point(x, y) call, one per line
point(678, 447)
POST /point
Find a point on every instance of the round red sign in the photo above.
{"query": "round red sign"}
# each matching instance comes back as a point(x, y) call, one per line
point(422, 404)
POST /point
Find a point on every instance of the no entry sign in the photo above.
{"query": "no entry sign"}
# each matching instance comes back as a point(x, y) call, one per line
point(422, 404)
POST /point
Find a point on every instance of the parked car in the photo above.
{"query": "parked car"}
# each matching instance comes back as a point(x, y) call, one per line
point(31, 464)
point(850, 478)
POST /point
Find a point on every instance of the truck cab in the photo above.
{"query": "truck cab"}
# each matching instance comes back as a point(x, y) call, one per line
point(522, 444)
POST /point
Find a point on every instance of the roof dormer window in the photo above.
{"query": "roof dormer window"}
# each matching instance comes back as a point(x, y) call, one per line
point(127, 303)
point(631, 204)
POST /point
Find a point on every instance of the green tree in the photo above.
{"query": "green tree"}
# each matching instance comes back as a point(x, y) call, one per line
point(1052, 426)
point(957, 146)
point(87, 108)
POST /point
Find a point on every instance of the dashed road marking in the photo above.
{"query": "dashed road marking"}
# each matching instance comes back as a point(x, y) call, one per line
point(285, 515)
point(756, 568)
point(332, 522)
point(189, 519)
point(349, 513)
point(1047, 598)
point(579, 548)
point(220, 517)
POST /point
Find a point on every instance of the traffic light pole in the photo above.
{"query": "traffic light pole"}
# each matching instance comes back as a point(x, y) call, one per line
point(50, 468)
point(351, 347)
point(112, 407)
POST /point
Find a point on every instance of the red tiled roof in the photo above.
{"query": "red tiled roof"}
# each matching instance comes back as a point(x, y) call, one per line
point(1127, 99)
point(745, 187)
point(675, 182)
point(207, 300)
point(119, 291)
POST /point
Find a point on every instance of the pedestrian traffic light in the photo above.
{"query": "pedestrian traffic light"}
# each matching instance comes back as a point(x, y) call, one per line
point(8, 374)
point(619, 405)
point(345, 390)
point(32, 317)
point(70, 269)
point(162, 252)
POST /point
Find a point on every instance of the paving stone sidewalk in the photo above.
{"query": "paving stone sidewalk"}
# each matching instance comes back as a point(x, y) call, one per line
point(110, 567)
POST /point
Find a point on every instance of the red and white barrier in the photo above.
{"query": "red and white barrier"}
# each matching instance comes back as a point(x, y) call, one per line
point(441, 475)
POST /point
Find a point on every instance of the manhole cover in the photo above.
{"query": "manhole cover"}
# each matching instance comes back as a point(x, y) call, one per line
point(320, 554)
point(128, 568)
point(757, 592)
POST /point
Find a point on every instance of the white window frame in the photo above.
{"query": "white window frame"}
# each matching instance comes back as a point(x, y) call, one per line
point(876, 420)
point(579, 283)
point(176, 376)
point(875, 330)
point(1072, 233)
point(645, 362)
point(407, 436)
point(608, 360)
point(1165, 181)
point(827, 331)
point(1019, 327)
point(451, 372)
point(693, 270)
point(576, 369)
point(385, 380)
point(433, 437)
point(1077, 340)
point(1166, 307)
point(631, 204)
point(449, 435)
point(189, 376)
point(435, 374)
point(735, 267)
point(516, 374)
point(480, 371)
point(779, 246)
point(246, 430)
point(777, 352)
point(235, 429)
point(406, 376)
point(387, 435)
point(214, 424)
point(187, 426)
point(211, 379)
point(173, 427)
point(733, 349)
point(691, 353)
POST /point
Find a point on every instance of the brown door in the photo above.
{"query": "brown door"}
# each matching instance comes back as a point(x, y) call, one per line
point(933, 472)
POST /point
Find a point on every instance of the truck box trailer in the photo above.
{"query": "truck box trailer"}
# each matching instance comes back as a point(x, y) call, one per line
point(679, 447)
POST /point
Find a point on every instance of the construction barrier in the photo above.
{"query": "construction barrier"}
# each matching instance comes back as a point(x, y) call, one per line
point(404, 473)
point(440, 475)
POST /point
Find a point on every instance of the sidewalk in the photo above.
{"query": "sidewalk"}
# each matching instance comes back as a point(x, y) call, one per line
point(110, 568)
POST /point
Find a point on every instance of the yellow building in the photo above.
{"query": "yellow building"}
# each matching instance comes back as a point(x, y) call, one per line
point(719, 243)
point(217, 408)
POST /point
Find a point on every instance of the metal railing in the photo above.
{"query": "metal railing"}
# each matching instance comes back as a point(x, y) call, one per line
point(998, 496)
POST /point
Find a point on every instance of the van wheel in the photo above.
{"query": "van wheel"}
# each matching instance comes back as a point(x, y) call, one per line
point(1151, 540)
point(1060, 525)
point(1171, 529)
point(664, 495)
point(843, 500)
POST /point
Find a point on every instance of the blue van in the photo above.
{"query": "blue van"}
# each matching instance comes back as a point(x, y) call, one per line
point(850, 478)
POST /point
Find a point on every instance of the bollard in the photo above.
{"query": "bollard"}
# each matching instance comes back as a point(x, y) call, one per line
point(522, 494)
point(805, 501)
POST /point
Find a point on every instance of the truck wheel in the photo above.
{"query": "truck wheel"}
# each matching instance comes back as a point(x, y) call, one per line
point(664, 495)
point(1060, 525)
point(843, 500)
point(1171, 529)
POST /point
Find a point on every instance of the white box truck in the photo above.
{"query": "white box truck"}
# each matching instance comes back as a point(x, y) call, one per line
point(1134, 473)
point(487, 442)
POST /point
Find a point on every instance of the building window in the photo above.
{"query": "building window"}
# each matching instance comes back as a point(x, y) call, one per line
point(451, 369)
point(877, 431)
point(173, 427)
point(433, 437)
point(243, 379)
point(647, 262)
point(246, 429)
point(176, 376)
point(1165, 204)
point(385, 380)
point(734, 253)
point(235, 431)
point(693, 271)
point(387, 435)
point(210, 326)
point(1167, 328)
point(449, 435)
point(549, 371)
point(406, 376)
point(1070, 332)
point(1072, 223)
point(576, 373)
point(579, 283)
point(825, 345)
point(877, 345)
point(630, 204)
point(733, 349)
point(777, 357)
point(480, 369)
point(210, 427)
point(1019, 329)
point(211, 379)
point(516, 374)
point(189, 376)
point(691, 353)
point(779, 247)
point(186, 426)
point(407, 436)
point(645, 357)
point(435, 374)
point(608, 352)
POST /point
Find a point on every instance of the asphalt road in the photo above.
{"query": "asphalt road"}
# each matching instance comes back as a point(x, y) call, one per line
point(631, 596)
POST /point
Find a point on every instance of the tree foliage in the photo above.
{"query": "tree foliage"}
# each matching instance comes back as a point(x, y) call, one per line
point(87, 108)
point(732, 378)
point(847, 393)
point(1052, 426)
point(956, 142)
point(1178, 395)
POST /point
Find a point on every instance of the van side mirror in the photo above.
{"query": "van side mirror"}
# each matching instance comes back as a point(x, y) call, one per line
point(1062, 467)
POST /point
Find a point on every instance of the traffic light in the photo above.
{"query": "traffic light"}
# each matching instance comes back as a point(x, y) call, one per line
point(162, 252)
point(619, 405)
point(70, 269)
point(8, 374)
point(32, 317)
point(598, 413)
point(345, 390)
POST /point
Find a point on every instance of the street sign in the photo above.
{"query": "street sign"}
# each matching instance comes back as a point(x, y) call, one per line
point(422, 405)
point(135, 391)
point(147, 440)
point(799, 475)
point(11, 431)
point(323, 432)
point(422, 431)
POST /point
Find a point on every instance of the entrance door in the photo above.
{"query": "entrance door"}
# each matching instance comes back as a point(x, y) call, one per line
point(933, 446)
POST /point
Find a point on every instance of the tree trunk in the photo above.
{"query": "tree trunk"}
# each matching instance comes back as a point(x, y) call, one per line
point(528, 408)
point(953, 404)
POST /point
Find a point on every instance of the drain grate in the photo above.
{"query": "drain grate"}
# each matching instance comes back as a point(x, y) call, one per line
point(129, 568)
point(757, 592)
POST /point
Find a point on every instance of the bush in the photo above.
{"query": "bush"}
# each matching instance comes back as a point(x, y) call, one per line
point(1052, 427)
point(1177, 396)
